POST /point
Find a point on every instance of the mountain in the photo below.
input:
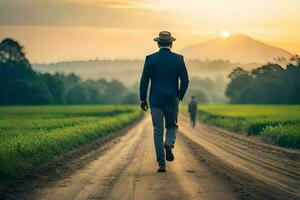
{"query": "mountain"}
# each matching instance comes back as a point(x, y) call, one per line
point(237, 48)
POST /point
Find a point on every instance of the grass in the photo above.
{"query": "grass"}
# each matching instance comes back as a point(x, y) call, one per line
point(275, 124)
point(33, 135)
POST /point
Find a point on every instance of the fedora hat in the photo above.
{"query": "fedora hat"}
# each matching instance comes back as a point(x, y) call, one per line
point(164, 36)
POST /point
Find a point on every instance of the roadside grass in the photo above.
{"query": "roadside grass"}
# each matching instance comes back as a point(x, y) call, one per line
point(33, 135)
point(283, 135)
point(275, 124)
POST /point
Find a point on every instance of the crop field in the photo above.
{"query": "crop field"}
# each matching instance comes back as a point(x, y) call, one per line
point(275, 124)
point(33, 135)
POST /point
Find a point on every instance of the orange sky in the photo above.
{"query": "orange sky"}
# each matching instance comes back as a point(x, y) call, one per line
point(55, 30)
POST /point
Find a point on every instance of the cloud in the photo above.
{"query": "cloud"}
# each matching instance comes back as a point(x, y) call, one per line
point(110, 3)
point(130, 5)
point(103, 13)
point(119, 2)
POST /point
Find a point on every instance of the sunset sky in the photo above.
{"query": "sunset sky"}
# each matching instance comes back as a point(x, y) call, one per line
point(56, 30)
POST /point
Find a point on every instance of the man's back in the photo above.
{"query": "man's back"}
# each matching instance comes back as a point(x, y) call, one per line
point(164, 68)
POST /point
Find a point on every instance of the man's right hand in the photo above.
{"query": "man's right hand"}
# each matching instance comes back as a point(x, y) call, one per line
point(144, 106)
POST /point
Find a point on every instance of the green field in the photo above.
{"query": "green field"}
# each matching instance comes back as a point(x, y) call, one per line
point(275, 124)
point(33, 135)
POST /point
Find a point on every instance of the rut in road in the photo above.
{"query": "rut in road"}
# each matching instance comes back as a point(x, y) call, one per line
point(128, 171)
point(266, 172)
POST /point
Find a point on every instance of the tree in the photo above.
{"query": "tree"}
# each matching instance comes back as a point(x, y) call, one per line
point(20, 84)
point(268, 84)
point(15, 70)
point(206, 90)
point(115, 91)
point(295, 60)
point(22, 91)
point(78, 94)
point(239, 85)
point(12, 51)
point(55, 86)
point(130, 98)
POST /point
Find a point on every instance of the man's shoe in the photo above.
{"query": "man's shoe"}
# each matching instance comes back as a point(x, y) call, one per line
point(169, 153)
point(161, 169)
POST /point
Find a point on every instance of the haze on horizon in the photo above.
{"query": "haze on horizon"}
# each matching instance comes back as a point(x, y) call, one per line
point(57, 30)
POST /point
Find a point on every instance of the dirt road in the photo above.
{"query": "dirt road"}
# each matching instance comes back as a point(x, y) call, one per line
point(209, 164)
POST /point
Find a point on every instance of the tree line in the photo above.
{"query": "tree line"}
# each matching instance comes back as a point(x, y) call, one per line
point(20, 84)
point(268, 84)
point(206, 90)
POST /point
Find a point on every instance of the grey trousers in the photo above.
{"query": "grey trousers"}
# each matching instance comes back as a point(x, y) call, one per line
point(164, 115)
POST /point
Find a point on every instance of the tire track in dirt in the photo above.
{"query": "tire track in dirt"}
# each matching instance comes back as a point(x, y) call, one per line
point(268, 173)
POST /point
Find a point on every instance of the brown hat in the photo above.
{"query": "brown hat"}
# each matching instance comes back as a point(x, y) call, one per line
point(164, 36)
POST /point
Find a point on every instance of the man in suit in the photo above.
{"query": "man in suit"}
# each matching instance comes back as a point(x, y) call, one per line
point(165, 69)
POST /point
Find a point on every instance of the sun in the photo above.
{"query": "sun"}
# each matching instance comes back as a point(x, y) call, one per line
point(224, 34)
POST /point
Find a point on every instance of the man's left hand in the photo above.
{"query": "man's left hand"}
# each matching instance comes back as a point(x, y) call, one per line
point(144, 106)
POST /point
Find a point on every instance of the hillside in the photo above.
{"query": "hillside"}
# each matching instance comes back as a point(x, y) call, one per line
point(129, 71)
point(236, 48)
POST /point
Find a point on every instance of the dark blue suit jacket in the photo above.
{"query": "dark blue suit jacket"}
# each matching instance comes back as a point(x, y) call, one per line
point(164, 68)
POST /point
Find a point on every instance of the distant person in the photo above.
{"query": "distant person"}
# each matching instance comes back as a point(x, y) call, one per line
point(164, 68)
point(192, 109)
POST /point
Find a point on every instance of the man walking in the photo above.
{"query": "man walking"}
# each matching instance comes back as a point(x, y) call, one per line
point(192, 109)
point(164, 68)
